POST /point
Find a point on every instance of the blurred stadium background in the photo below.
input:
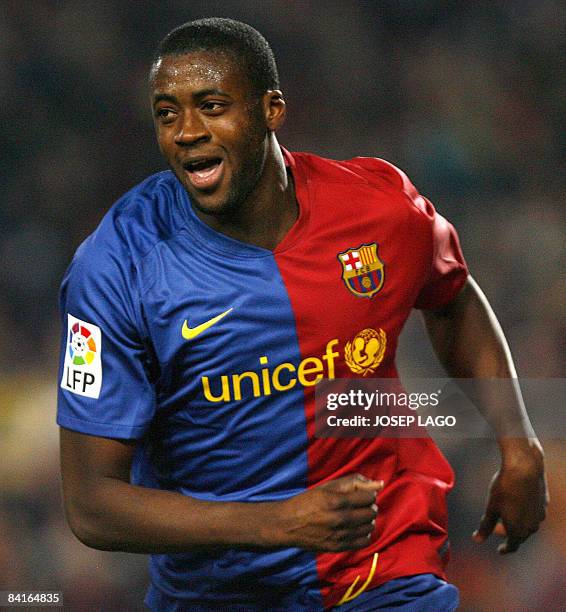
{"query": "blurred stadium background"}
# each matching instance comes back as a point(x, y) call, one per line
point(466, 96)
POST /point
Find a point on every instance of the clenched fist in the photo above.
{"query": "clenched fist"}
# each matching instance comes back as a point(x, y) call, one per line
point(335, 516)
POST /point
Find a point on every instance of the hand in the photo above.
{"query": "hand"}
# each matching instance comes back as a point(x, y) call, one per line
point(517, 498)
point(338, 515)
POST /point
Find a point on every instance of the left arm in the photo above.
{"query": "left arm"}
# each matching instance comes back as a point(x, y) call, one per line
point(470, 344)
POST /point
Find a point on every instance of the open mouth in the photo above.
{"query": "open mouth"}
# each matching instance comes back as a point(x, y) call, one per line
point(204, 173)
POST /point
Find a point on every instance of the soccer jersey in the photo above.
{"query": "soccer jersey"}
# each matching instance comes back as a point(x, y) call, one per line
point(208, 351)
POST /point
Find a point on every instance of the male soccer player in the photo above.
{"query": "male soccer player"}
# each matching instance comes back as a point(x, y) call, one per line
point(199, 318)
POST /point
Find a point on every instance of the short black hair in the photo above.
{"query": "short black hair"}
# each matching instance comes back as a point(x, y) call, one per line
point(228, 36)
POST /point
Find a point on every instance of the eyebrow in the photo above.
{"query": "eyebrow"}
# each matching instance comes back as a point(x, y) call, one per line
point(163, 96)
point(198, 95)
point(211, 91)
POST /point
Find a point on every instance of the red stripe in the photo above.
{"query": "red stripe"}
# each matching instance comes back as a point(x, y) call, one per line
point(411, 524)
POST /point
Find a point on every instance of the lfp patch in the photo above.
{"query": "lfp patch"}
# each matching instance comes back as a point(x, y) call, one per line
point(82, 371)
point(362, 271)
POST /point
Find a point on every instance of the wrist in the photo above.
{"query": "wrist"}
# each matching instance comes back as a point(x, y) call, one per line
point(521, 453)
point(271, 522)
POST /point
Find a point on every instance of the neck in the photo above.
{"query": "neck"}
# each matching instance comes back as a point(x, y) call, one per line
point(269, 211)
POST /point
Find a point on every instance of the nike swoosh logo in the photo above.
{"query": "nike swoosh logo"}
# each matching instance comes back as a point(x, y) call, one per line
point(192, 332)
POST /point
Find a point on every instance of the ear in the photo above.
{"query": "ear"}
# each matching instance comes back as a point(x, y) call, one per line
point(274, 109)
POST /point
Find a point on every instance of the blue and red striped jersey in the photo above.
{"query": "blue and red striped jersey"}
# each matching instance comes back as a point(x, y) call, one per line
point(208, 351)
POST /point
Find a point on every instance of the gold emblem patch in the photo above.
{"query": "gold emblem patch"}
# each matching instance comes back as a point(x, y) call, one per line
point(363, 271)
point(364, 354)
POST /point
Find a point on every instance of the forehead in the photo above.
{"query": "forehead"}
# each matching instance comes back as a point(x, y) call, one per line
point(195, 70)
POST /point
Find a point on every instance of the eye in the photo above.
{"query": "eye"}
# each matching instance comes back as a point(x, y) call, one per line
point(165, 115)
point(213, 107)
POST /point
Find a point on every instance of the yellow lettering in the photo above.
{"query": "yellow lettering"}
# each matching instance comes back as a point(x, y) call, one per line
point(265, 376)
point(277, 383)
point(329, 357)
point(310, 371)
point(225, 397)
point(237, 378)
point(304, 370)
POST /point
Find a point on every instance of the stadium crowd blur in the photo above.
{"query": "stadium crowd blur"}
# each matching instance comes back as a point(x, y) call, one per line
point(465, 96)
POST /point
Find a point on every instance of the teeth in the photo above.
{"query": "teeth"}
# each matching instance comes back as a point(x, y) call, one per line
point(206, 172)
point(202, 165)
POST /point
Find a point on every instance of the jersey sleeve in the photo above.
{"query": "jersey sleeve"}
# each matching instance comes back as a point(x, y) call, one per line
point(448, 269)
point(104, 386)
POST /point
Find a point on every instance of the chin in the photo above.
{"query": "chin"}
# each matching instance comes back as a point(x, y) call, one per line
point(214, 208)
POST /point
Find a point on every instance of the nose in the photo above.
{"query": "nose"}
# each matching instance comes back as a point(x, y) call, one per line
point(192, 129)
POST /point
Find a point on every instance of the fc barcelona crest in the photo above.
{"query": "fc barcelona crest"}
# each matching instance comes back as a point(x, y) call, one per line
point(362, 271)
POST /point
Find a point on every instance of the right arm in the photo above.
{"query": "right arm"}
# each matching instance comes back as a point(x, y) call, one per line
point(103, 508)
point(106, 511)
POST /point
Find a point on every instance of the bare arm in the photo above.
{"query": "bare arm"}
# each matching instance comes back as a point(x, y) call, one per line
point(105, 511)
point(470, 344)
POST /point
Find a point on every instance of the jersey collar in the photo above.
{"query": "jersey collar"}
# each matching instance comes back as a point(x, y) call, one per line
point(211, 239)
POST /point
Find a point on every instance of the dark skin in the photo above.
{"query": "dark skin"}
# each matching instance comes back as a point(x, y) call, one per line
point(106, 512)
point(470, 344)
point(204, 106)
point(206, 114)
